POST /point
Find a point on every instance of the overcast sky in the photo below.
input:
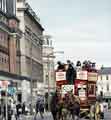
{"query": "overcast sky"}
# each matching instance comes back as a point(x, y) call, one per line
point(80, 28)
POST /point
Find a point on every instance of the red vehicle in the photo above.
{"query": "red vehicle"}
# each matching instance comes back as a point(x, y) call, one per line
point(84, 86)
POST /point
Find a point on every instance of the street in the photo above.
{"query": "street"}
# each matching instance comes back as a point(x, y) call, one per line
point(48, 116)
point(107, 115)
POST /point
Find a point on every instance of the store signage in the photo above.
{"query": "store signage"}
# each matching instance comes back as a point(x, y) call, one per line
point(67, 88)
point(11, 90)
point(92, 76)
point(4, 83)
point(81, 86)
point(82, 75)
point(82, 93)
point(60, 76)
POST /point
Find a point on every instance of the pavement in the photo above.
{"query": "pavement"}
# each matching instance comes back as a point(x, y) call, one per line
point(48, 116)
point(107, 115)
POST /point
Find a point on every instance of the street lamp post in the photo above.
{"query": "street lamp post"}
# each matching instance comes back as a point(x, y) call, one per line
point(31, 82)
point(50, 55)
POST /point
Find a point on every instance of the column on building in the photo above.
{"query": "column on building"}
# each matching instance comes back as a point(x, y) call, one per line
point(12, 53)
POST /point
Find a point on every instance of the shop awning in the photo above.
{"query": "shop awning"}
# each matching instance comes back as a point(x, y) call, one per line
point(10, 76)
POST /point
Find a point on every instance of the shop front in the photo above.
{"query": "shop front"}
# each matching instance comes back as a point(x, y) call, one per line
point(11, 86)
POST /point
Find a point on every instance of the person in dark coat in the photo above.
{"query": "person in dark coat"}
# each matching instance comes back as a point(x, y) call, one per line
point(77, 107)
point(40, 106)
point(9, 111)
point(1, 108)
point(19, 109)
point(23, 109)
point(53, 105)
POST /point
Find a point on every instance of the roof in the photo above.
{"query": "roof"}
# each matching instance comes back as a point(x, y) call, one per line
point(105, 70)
point(33, 15)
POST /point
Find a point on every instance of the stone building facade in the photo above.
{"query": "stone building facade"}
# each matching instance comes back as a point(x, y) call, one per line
point(48, 63)
point(30, 44)
point(104, 83)
point(10, 35)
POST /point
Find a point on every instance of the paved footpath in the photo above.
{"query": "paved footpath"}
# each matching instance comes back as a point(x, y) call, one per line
point(107, 115)
point(48, 116)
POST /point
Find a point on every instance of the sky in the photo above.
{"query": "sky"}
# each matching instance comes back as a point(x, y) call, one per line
point(80, 28)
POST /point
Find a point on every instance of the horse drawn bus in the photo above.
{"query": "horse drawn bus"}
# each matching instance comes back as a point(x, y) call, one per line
point(81, 80)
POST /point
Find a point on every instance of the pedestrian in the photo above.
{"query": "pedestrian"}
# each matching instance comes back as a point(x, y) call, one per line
point(97, 110)
point(46, 101)
point(19, 110)
point(2, 109)
point(76, 108)
point(54, 105)
point(71, 108)
point(65, 109)
point(102, 110)
point(92, 112)
point(24, 109)
point(10, 110)
point(59, 107)
point(40, 106)
point(14, 116)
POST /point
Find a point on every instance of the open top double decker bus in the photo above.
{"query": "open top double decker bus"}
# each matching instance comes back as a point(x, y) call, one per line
point(84, 85)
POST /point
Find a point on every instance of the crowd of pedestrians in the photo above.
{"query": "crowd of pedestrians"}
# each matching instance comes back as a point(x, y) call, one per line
point(16, 110)
point(13, 110)
point(61, 107)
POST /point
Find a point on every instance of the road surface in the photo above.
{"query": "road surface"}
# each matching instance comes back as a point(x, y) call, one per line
point(48, 116)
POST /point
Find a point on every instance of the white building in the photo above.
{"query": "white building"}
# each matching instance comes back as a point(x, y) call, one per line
point(30, 46)
point(104, 82)
point(48, 64)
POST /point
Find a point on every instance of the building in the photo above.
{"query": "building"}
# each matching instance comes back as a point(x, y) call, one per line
point(30, 45)
point(10, 35)
point(104, 83)
point(48, 63)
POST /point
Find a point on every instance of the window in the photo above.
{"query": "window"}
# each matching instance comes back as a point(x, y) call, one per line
point(47, 42)
point(47, 78)
point(106, 77)
point(4, 5)
point(5, 61)
point(101, 77)
point(0, 4)
point(91, 89)
point(19, 0)
point(2, 60)
point(18, 44)
point(107, 87)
